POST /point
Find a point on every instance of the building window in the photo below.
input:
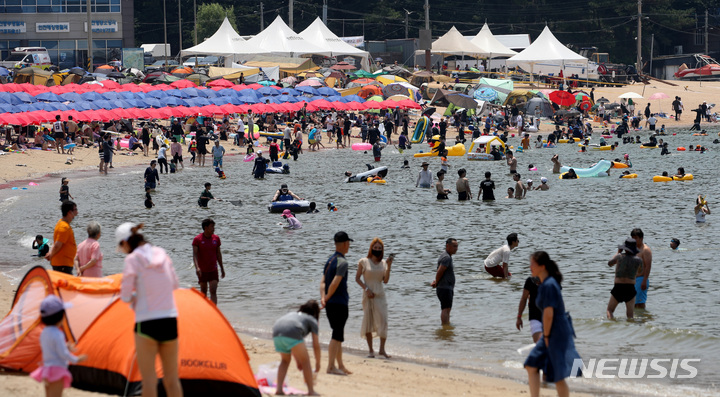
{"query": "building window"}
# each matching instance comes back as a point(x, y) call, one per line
point(699, 37)
point(57, 6)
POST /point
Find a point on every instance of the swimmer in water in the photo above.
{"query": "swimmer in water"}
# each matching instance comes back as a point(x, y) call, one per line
point(556, 164)
point(680, 173)
point(674, 243)
point(511, 193)
point(543, 184)
point(570, 174)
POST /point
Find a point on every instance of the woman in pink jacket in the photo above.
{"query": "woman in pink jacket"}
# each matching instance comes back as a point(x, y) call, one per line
point(148, 283)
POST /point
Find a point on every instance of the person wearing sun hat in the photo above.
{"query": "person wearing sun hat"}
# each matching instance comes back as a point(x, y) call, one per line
point(424, 178)
point(627, 266)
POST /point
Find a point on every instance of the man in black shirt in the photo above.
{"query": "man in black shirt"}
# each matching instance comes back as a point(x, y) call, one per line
point(486, 187)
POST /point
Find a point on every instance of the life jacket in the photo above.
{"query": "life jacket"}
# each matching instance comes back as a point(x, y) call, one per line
point(193, 146)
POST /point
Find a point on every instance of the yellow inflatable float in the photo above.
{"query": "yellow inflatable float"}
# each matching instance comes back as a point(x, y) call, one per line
point(629, 176)
point(660, 178)
point(457, 150)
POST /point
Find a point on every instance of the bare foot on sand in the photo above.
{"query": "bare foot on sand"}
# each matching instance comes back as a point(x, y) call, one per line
point(335, 371)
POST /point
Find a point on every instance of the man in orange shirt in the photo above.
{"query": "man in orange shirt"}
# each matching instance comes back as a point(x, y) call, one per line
point(62, 253)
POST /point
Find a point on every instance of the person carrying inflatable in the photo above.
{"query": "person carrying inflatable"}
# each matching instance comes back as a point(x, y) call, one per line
point(284, 194)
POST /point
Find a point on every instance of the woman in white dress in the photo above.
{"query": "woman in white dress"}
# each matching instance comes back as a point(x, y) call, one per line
point(373, 271)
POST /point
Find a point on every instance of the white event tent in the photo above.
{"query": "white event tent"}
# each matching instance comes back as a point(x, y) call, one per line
point(454, 43)
point(279, 39)
point(224, 42)
point(319, 34)
point(547, 51)
point(492, 47)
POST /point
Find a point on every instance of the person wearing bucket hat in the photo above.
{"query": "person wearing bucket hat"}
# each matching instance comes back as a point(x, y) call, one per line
point(148, 283)
point(54, 371)
point(627, 267)
point(424, 179)
point(293, 223)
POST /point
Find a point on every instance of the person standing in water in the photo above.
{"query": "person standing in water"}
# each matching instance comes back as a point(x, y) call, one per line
point(442, 193)
point(511, 161)
point(627, 269)
point(207, 256)
point(701, 209)
point(424, 178)
point(463, 186)
point(444, 282)
point(65, 190)
point(555, 351)
point(486, 187)
point(529, 296)
point(556, 164)
point(642, 283)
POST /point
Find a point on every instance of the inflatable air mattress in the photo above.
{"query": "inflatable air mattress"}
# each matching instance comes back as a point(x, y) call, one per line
point(600, 168)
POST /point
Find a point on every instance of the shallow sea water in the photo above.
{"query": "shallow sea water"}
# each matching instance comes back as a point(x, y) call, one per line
point(271, 270)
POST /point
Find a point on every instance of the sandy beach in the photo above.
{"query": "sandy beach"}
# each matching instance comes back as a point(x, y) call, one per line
point(371, 377)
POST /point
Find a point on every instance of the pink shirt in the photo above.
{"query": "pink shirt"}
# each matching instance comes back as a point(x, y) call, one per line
point(148, 283)
point(87, 251)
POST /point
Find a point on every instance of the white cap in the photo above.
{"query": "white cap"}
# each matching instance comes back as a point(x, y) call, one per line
point(123, 232)
point(543, 180)
point(529, 181)
point(259, 151)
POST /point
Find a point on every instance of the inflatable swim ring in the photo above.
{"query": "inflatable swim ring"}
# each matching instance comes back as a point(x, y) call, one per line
point(361, 146)
point(570, 140)
point(616, 164)
point(380, 181)
point(629, 176)
point(681, 149)
point(550, 146)
point(519, 150)
point(606, 147)
point(380, 171)
point(72, 145)
point(249, 157)
point(660, 178)
point(648, 147)
point(292, 205)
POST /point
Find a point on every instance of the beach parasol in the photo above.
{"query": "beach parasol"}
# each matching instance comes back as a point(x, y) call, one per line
point(390, 78)
point(562, 98)
point(657, 96)
point(343, 66)
point(629, 95)
point(602, 100)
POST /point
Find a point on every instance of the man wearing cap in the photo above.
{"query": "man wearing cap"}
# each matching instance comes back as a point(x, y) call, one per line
point(628, 267)
point(62, 253)
point(674, 244)
point(444, 282)
point(284, 194)
point(206, 258)
point(543, 184)
point(424, 178)
point(259, 166)
point(335, 299)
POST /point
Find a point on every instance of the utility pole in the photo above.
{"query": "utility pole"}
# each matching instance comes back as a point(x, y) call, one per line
point(89, 38)
point(706, 32)
point(180, 32)
point(195, 22)
point(291, 5)
point(427, 27)
point(407, 15)
point(324, 12)
point(262, 16)
point(639, 37)
point(652, 49)
point(164, 29)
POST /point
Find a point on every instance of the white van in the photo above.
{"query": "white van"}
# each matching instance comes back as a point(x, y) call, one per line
point(22, 57)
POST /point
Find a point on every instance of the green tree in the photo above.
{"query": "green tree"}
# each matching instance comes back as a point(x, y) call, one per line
point(210, 17)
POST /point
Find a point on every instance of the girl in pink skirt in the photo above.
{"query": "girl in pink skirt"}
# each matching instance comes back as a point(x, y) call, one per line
point(56, 354)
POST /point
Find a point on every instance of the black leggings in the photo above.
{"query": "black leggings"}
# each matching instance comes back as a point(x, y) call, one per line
point(163, 161)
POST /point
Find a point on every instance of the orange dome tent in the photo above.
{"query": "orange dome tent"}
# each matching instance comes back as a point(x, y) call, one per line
point(213, 360)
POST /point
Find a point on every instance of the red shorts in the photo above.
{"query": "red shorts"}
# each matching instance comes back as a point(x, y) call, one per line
point(496, 271)
point(206, 277)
